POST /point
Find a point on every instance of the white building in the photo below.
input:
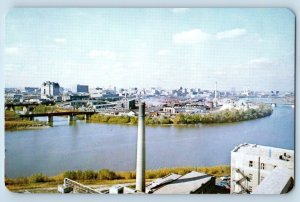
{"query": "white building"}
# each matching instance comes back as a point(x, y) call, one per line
point(251, 164)
point(49, 90)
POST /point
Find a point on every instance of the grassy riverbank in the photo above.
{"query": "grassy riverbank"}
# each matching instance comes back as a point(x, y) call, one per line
point(224, 116)
point(104, 176)
point(14, 122)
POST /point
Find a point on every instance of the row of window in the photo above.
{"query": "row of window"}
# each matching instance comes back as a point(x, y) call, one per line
point(250, 176)
point(262, 165)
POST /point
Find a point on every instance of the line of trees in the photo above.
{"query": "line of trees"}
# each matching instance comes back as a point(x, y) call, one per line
point(224, 116)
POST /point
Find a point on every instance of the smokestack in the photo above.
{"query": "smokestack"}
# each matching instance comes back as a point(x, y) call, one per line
point(140, 157)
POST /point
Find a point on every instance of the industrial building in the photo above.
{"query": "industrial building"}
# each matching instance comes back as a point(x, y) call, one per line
point(251, 164)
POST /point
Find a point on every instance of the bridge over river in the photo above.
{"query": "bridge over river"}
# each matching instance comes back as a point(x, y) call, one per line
point(71, 114)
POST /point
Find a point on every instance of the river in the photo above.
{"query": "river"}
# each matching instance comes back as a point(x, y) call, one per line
point(95, 146)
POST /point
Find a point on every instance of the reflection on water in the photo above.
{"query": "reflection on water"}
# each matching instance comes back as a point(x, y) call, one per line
point(94, 146)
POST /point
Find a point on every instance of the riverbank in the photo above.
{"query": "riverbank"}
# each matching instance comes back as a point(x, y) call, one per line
point(104, 176)
point(14, 122)
point(224, 116)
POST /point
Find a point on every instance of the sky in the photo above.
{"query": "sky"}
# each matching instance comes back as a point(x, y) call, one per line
point(151, 47)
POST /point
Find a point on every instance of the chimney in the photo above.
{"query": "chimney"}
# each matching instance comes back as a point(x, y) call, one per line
point(141, 155)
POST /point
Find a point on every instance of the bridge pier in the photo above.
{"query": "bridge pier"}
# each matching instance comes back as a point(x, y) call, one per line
point(72, 117)
point(50, 119)
point(87, 117)
point(12, 108)
point(25, 109)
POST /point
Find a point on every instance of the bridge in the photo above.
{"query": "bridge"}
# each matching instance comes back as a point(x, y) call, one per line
point(71, 114)
point(12, 106)
point(275, 104)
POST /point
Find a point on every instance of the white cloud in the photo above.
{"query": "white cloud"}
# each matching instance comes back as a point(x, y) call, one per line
point(60, 40)
point(12, 50)
point(10, 67)
point(180, 10)
point(190, 37)
point(261, 61)
point(256, 63)
point(103, 54)
point(233, 33)
point(163, 52)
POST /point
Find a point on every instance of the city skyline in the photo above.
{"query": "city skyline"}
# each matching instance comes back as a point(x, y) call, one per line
point(241, 48)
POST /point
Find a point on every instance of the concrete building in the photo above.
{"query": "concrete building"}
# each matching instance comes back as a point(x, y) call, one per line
point(251, 164)
point(49, 90)
point(82, 88)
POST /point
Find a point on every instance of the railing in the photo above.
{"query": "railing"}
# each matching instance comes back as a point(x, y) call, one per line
point(80, 188)
point(239, 182)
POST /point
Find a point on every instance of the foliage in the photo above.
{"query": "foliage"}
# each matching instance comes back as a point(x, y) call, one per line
point(224, 116)
point(39, 177)
point(105, 174)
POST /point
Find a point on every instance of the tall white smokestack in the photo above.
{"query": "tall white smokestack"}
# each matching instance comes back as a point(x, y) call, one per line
point(141, 155)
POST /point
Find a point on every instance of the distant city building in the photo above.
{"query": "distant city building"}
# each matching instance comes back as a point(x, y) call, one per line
point(251, 164)
point(96, 93)
point(31, 89)
point(82, 88)
point(173, 110)
point(129, 104)
point(49, 90)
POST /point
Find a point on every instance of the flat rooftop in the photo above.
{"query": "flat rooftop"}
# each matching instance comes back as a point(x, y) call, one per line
point(260, 150)
point(278, 182)
point(185, 184)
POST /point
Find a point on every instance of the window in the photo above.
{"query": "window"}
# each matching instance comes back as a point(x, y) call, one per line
point(44, 91)
point(250, 163)
point(250, 188)
point(262, 178)
point(250, 177)
point(262, 166)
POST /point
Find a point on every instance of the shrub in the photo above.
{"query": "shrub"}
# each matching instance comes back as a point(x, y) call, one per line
point(106, 174)
point(39, 177)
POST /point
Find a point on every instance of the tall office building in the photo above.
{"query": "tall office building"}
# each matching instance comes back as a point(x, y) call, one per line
point(49, 90)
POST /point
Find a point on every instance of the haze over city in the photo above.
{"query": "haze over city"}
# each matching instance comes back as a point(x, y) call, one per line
point(169, 48)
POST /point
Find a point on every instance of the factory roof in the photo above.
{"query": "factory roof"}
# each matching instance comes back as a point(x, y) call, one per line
point(162, 181)
point(259, 150)
point(185, 184)
point(278, 182)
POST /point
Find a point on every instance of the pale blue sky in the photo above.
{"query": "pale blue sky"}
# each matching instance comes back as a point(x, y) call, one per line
point(168, 47)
